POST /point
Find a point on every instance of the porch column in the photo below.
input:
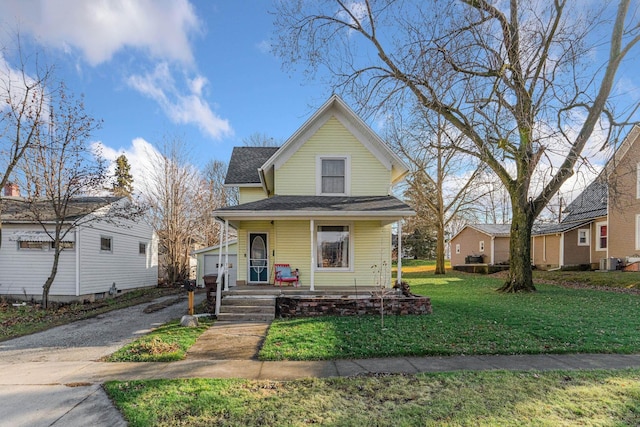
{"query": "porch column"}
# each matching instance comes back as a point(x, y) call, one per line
point(399, 275)
point(218, 282)
point(226, 255)
point(493, 249)
point(312, 226)
point(561, 258)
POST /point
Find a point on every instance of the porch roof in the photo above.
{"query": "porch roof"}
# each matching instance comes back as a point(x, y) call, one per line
point(318, 206)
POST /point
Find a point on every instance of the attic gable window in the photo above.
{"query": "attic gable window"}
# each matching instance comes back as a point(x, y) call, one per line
point(333, 175)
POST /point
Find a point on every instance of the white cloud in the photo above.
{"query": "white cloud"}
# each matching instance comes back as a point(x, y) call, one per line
point(181, 106)
point(99, 29)
point(140, 155)
point(264, 46)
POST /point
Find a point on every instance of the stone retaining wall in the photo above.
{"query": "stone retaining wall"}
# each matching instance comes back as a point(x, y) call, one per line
point(340, 306)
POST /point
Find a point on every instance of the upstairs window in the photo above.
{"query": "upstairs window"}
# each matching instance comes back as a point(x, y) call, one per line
point(333, 176)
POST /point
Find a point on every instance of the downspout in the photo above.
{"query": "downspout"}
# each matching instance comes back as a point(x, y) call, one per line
point(561, 260)
point(77, 261)
point(493, 249)
point(312, 226)
point(399, 278)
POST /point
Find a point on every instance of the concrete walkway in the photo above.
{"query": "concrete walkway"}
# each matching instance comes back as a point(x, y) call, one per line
point(65, 389)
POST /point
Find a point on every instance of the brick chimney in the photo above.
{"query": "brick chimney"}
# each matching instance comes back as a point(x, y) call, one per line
point(11, 190)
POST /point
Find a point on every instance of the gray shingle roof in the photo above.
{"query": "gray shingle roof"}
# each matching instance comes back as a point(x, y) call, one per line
point(590, 204)
point(244, 164)
point(498, 230)
point(539, 229)
point(323, 204)
point(14, 209)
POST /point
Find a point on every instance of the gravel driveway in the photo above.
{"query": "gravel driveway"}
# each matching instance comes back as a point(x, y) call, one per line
point(91, 339)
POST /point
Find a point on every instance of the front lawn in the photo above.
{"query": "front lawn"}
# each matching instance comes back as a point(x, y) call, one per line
point(445, 399)
point(469, 317)
point(167, 343)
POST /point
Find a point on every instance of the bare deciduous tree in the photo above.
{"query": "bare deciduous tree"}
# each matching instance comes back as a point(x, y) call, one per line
point(214, 195)
point(61, 176)
point(23, 109)
point(518, 79)
point(170, 190)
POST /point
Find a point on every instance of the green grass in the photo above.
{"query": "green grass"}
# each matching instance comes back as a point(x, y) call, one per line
point(613, 279)
point(469, 317)
point(167, 343)
point(603, 398)
point(30, 318)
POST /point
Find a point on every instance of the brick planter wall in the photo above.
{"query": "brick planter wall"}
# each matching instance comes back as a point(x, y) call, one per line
point(321, 306)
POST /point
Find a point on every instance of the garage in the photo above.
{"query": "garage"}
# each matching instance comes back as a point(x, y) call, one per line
point(208, 260)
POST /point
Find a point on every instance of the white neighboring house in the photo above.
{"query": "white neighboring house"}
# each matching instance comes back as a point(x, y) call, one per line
point(100, 257)
point(209, 260)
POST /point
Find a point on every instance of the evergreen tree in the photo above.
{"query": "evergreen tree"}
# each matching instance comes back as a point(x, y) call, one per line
point(122, 179)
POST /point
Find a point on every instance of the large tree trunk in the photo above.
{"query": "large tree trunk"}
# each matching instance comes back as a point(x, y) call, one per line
point(440, 251)
point(520, 275)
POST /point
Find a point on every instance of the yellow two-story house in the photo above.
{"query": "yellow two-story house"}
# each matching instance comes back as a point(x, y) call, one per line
point(322, 203)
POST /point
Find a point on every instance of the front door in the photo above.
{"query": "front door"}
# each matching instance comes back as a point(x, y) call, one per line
point(258, 258)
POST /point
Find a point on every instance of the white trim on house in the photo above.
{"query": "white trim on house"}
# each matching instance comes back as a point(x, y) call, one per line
point(587, 241)
point(599, 226)
point(351, 253)
point(637, 232)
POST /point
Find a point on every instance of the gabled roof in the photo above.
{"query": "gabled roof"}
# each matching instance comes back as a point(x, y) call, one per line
point(16, 209)
point(306, 206)
point(590, 204)
point(495, 230)
point(336, 107)
point(244, 165)
point(210, 248)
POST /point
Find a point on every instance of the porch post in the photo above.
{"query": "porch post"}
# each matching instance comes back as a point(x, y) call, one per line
point(312, 226)
point(218, 281)
point(226, 255)
point(493, 249)
point(399, 275)
point(561, 260)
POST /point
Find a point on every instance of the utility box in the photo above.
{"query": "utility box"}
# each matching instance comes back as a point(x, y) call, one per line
point(609, 264)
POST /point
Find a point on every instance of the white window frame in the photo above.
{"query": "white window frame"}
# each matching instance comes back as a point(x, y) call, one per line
point(585, 231)
point(599, 225)
point(481, 246)
point(350, 268)
point(457, 248)
point(637, 232)
point(107, 251)
point(347, 174)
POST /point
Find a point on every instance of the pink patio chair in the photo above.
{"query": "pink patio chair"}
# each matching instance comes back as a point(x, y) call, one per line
point(284, 273)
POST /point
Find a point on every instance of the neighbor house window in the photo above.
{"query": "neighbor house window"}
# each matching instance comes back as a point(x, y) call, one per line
point(457, 248)
point(334, 246)
point(583, 237)
point(64, 245)
point(601, 230)
point(481, 245)
point(333, 175)
point(106, 244)
point(29, 245)
point(142, 248)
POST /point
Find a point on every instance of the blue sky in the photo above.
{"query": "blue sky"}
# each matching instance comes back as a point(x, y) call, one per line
point(200, 71)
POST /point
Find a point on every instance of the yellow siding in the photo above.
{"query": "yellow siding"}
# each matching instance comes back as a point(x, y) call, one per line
point(251, 194)
point(298, 175)
point(293, 247)
point(244, 229)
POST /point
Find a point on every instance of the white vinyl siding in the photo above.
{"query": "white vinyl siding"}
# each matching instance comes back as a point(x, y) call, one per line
point(124, 265)
point(25, 271)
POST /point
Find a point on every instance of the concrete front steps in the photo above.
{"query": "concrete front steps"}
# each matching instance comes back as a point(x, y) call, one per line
point(247, 308)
